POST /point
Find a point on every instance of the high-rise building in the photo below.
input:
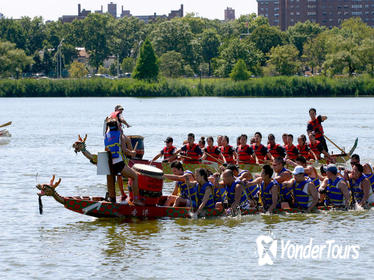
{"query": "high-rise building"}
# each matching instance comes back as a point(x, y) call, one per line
point(112, 9)
point(330, 13)
point(229, 14)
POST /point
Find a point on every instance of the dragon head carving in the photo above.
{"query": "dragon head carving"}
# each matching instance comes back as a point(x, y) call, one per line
point(48, 190)
point(80, 145)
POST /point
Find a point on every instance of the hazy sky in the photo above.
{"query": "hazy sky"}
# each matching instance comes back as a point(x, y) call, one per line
point(53, 9)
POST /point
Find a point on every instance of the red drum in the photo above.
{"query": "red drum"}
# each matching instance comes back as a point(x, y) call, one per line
point(150, 182)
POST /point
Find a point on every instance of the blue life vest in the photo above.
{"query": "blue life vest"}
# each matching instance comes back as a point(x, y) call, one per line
point(231, 193)
point(242, 172)
point(356, 189)
point(183, 189)
point(302, 199)
point(265, 194)
point(219, 195)
point(314, 181)
point(334, 194)
point(112, 143)
point(371, 179)
point(285, 193)
point(251, 190)
point(200, 195)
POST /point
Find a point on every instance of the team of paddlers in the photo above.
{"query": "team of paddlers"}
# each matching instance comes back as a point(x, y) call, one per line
point(232, 188)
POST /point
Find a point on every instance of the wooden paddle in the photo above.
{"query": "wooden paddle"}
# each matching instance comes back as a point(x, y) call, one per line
point(332, 142)
point(219, 160)
point(6, 124)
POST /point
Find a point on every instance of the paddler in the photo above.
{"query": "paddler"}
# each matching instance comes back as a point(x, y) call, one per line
point(202, 143)
point(291, 151)
point(315, 125)
point(304, 149)
point(240, 174)
point(228, 151)
point(213, 153)
point(260, 150)
point(219, 141)
point(234, 189)
point(274, 149)
point(304, 192)
point(115, 144)
point(285, 139)
point(191, 152)
point(168, 152)
point(282, 175)
point(336, 189)
point(361, 187)
point(203, 198)
point(182, 194)
point(268, 191)
point(245, 152)
point(317, 147)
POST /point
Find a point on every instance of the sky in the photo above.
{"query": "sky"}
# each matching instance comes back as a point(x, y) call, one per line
point(53, 9)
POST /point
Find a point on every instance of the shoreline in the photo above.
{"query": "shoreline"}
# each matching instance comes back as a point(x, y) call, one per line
point(266, 87)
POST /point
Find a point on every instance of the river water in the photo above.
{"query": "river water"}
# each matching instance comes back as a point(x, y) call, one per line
point(64, 245)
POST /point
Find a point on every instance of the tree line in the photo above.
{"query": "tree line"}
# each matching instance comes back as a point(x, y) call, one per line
point(187, 46)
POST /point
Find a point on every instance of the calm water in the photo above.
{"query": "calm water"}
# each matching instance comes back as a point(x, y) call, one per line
point(63, 245)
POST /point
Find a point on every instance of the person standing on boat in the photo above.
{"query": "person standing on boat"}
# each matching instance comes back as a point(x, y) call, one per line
point(228, 151)
point(182, 193)
point(245, 152)
point(117, 115)
point(360, 186)
point(276, 150)
point(291, 151)
point(168, 152)
point(304, 191)
point(191, 152)
point(115, 143)
point(268, 192)
point(336, 189)
point(213, 153)
point(282, 175)
point(315, 125)
point(260, 150)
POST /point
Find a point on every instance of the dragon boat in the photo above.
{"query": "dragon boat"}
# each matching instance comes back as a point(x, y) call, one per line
point(100, 208)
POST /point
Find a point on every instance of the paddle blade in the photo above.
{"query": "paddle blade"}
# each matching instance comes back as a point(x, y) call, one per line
point(353, 148)
point(6, 124)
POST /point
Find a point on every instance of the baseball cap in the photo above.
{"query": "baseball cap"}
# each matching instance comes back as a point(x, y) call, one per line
point(118, 107)
point(332, 168)
point(298, 170)
point(168, 140)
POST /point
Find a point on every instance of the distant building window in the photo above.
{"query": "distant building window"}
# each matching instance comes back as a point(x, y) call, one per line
point(356, 6)
point(356, 13)
point(312, 13)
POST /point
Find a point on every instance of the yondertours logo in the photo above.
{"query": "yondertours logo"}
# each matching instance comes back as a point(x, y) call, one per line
point(268, 250)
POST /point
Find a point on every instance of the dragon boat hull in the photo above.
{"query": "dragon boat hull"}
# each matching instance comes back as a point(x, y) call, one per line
point(97, 207)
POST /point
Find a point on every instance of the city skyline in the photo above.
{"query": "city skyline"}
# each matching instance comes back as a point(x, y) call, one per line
point(53, 9)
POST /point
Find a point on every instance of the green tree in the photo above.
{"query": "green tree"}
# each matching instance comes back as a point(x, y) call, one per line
point(128, 64)
point(301, 32)
point(285, 60)
point(266, 37)
point(240, 72)
point(12, 60)
point(97, 36)
point(147, 63)
point(37, 66)
point(210, 43)
point(103, 70)
point(366, 55)
point(47, 62)
point(232, 51)
point(77, 70)
point(171, 64)
point(315, 51)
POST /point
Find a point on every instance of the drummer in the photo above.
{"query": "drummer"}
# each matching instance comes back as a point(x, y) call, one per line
point(115, 144)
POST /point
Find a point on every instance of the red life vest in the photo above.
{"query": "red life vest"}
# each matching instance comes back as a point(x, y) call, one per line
point(273, 150)
point(168, 152)
point(304, 151)
point(314, 148)
point(193, 157)
point(317, 128)
point(115, 114)
point(225, 152)
point(291, 151)
point(259, 155)
point(243, 155)
point(213, 156)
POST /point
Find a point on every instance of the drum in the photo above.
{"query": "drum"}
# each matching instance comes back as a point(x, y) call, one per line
point(150, 182)
point(140, 148)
